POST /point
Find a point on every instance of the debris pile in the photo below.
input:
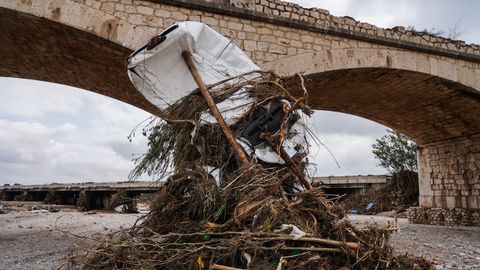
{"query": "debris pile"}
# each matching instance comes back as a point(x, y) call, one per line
point(122, 203)
point(53, 197)
point(244, 203)
point(42, 209)
point(21, 197)
point(400, 193)
point(3, 209)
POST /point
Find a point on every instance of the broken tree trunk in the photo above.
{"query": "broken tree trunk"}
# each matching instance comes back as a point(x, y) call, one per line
point(216, 113)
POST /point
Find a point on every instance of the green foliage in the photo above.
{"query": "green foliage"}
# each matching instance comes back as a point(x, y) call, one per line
point(396, 152)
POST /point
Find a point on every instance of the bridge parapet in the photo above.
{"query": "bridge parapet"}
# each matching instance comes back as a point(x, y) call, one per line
point(317, 19)
point(130, 23)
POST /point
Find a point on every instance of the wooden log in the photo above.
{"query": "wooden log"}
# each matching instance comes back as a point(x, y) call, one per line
point(328, 242)
point(314, 249)
point(241, 156)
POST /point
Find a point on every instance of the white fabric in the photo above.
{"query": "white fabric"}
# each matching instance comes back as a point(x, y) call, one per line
point(295, 232)
point(215, 172)
point(161, 74)
point(231, 108)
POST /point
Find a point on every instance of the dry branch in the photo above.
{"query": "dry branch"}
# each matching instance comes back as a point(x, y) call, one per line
point(216, 113)
point(229, 224)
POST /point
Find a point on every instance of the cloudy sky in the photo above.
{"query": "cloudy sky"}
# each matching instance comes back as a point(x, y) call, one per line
point(54, 133)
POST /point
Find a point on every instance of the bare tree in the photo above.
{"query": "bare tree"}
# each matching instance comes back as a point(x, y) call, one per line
point(453, 32)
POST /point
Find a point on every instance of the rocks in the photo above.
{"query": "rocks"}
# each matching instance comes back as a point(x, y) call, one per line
point(442, 216)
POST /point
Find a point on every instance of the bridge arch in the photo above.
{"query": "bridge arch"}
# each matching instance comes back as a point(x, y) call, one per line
point(428, 99)
point(382, 57)
point(436, 104)
point(36, 48)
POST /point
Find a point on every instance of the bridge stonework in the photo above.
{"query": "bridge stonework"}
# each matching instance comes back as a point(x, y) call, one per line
point(425, 86)
point(450, 173)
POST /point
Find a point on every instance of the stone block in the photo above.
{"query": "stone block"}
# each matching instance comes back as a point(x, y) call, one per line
point(451, 202)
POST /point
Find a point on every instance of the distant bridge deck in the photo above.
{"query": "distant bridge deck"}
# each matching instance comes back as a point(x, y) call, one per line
point(95, 195)
point(351, 183)
point(352, 179)
point(100, 194)
point(87, 186)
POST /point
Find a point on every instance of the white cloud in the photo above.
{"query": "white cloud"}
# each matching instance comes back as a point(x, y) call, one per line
point(353, 154)
point(57, 133)
point(30, 98)
point(33, 153)
point(349, 138)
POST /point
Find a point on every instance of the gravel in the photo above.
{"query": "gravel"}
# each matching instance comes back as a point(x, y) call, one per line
point(34, 241)
point(449, 247)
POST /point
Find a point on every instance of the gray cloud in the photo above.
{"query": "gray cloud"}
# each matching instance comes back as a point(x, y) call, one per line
point(27, 98)
point(326, 122)
point(129, 150)
point(425, 14)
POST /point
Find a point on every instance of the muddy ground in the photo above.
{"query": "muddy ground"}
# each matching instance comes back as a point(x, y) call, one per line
point(34, 240)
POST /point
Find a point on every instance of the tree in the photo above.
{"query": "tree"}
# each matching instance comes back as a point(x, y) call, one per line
point(453, 32)
point(396, 152)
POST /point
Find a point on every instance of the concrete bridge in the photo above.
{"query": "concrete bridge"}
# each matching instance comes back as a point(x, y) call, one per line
point(103, 191)
point(351, 184)
point(425, 86)
point(97, 195)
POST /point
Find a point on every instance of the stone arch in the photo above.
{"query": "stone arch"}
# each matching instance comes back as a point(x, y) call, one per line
point(41, 49)
point(435, 101)
point(379, 57)
point(429, 99)
point(426, 108)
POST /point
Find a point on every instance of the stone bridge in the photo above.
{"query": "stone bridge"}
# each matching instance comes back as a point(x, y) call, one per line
point(425, 86)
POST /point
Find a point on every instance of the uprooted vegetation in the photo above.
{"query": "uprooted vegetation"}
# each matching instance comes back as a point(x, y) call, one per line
point(260, 216)
point(400, 193)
